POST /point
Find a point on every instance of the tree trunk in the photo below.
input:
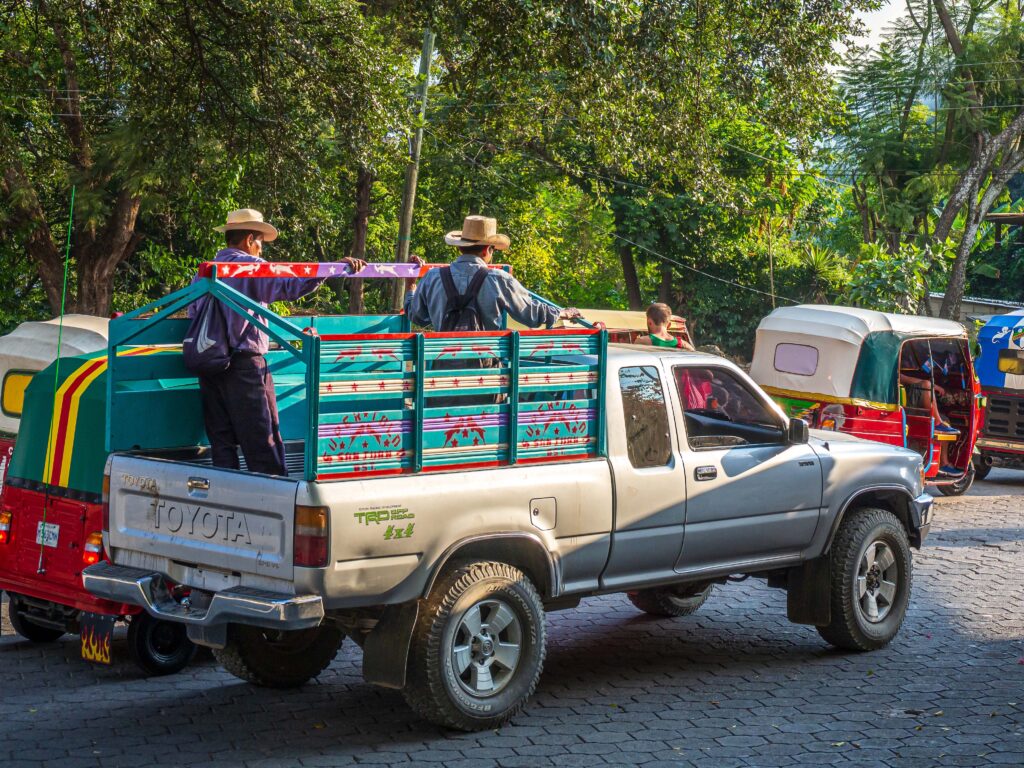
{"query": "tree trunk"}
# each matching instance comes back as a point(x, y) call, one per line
point(976, 212)
point(360, 222)
point(98, 255)
point(958, 278)
point(27, 211)
point(665, 287)
point(636, 301)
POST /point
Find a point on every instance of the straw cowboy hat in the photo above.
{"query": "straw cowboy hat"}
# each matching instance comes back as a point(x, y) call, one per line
point(478, 230)
point(247, 218)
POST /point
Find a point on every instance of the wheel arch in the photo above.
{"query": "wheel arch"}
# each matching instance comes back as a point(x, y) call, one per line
point(894, 498)
point(524, 551)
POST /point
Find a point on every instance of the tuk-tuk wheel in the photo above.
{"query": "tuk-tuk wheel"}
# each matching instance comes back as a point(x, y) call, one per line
point(982, 467)
point(159, 647)
point(960, 487)
point(28, 629)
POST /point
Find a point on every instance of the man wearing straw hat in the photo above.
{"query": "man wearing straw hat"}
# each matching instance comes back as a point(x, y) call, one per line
point(239, 405)
point(496, 291)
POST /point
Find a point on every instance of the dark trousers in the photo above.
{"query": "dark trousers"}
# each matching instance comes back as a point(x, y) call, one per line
point(240, 410)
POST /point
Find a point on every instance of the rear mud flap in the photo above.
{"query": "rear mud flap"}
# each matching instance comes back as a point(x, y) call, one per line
point(210, 636)
point(808, 592)
point(386, 648)
point(96, 631)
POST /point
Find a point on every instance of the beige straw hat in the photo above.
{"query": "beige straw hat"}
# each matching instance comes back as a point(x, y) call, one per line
point(478, 230)
point(247, 218)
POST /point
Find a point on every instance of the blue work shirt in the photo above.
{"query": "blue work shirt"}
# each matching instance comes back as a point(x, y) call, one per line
point(500, 293)
point(244, 334)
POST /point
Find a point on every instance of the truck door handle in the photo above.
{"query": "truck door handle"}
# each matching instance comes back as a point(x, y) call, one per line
point(198, 484)
point(705, 473)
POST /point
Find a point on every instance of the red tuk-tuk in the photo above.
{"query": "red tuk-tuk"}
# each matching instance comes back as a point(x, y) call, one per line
point(51, 505)
point(897, 379)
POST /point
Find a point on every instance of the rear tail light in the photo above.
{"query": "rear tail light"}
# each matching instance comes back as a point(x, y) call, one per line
point(92, 552)
point(106, 501)
point(5, 526)
point(312, 535)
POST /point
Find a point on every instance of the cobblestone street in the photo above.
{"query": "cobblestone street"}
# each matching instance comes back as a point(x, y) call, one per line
point(734, 685)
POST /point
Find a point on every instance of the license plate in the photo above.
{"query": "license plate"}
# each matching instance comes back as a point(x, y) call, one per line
point(96, 630)
point(47, 534)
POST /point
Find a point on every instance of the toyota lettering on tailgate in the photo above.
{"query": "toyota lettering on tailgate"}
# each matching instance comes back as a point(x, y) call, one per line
point(211, 524)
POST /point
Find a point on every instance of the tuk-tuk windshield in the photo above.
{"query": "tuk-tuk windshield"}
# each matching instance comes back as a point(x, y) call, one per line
point(1011, 361)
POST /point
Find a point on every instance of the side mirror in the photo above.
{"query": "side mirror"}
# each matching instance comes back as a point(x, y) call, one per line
point(798, 432)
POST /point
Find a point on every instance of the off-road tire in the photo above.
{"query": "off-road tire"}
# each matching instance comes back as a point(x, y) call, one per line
point(28, 629)
point(981, 468)
point(274, 659)
point(159, 647)
point(433, 687)
point(960, 487)
point(671, 601)
point(849, 629)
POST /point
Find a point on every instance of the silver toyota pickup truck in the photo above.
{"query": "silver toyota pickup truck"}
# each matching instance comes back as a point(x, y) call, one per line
point(435, 510)
point(444, 578)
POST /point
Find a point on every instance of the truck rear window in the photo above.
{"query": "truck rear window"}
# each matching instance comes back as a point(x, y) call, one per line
point(646, 415)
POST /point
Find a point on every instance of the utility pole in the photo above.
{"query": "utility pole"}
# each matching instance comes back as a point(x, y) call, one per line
point(412, 170)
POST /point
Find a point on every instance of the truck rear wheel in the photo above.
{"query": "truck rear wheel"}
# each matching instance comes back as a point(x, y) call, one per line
point(27, 628)
point(477, 648)
point(671, 601)
point(159, 647)
point(276, 659)
point(871, 579)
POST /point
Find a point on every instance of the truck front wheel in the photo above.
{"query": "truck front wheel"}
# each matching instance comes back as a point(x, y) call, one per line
point(159, 647)
point(277, 659)
point(871, 579)
point(477, 648)
point(671, 601)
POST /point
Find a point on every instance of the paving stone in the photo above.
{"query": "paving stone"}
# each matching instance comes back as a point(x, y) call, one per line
point(734, 685)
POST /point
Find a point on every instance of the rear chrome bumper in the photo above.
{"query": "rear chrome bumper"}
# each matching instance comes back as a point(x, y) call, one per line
point(239, 605)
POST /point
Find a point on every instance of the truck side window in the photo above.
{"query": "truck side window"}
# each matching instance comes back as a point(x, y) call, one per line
point(646, 415)
point(721, 411)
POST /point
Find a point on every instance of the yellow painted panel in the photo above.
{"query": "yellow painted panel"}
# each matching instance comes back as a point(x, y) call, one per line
point(15, 384)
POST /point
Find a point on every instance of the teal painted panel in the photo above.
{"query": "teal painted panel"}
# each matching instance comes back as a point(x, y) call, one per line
point(337, 324)
point(155, 418)
point(170, 331)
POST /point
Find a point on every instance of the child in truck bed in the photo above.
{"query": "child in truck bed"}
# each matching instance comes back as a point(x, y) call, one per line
point(659, 316)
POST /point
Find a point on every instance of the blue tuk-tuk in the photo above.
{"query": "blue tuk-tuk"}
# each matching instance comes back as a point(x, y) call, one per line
point(1000, 367)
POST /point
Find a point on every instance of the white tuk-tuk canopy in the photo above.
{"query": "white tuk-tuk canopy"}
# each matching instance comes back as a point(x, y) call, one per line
point(32, 346)
point(815, 349)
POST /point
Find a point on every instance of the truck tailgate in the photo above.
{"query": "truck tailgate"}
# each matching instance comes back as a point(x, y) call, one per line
point(218, 519)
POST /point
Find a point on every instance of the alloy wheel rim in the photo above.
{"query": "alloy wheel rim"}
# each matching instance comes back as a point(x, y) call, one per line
point(486, 647)
point(877, 581)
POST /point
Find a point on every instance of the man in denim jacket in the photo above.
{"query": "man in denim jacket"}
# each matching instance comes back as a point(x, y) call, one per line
point(239, 405)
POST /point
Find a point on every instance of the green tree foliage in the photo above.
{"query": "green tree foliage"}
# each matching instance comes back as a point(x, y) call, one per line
point(895, 282)
point(633, 151)
point(164, 113)
point(933, 134)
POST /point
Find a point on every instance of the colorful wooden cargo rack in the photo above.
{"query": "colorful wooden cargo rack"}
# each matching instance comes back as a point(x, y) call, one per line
point(367, 396)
